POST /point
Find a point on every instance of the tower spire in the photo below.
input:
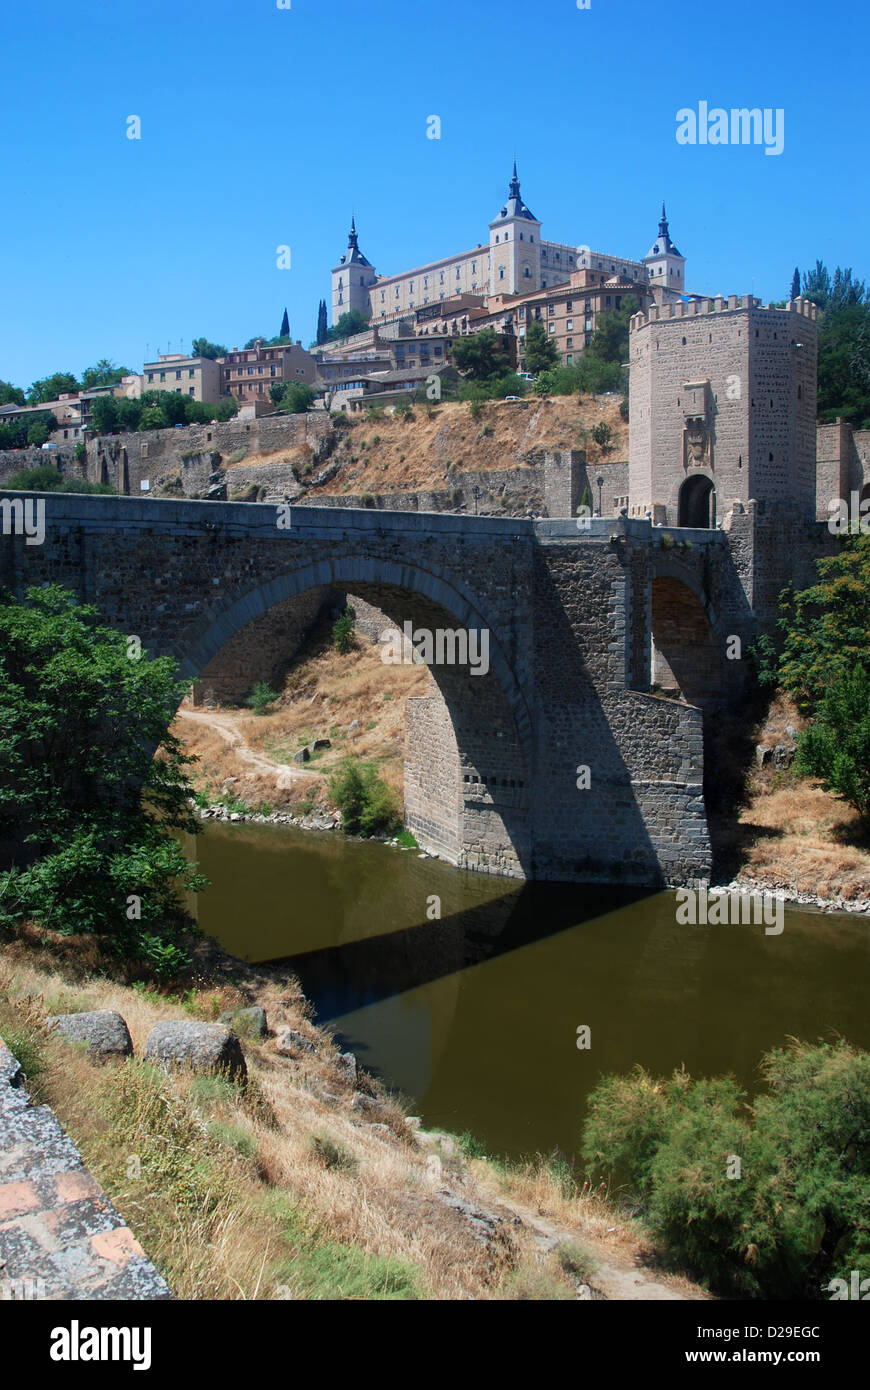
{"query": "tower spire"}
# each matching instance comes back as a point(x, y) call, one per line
point(663, 223)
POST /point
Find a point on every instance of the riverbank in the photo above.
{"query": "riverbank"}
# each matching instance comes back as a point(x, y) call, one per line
point(312, 1181)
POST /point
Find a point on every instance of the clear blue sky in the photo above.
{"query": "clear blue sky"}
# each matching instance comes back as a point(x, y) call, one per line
point(264, 126)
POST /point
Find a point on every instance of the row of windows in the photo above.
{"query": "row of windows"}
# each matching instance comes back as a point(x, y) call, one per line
point(190, 373)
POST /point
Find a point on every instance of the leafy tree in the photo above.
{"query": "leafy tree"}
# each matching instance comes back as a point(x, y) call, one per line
point(560, 380)
point(844, 364)
point(540, 349)
point(297, 398)
point(322, 323)
point(285, 326)
point(836, 746)
point(201, 347)
point(10, 395)
point(262, 696)
point(795, 284)
point(105, 414)
point(51, 387)
point(797, 1215)
point(602, 434)
point(833, 292)
point(86, 809)
point(38, 432)
point(15, 434)
point(103, 373)
point(276, 392)
point(355, 321)
point(366, 803)
point(597, 375)
point(481, 356)
point(610, 339)
point(343, 630)
point(828, 625)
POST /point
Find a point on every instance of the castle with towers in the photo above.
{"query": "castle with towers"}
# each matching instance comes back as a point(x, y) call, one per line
point(515, 262)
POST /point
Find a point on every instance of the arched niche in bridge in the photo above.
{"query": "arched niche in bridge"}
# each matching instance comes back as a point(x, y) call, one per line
point(467, 754)
point(695, 504)
point(686, 652)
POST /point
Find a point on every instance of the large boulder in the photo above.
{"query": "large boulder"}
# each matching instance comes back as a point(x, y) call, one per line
point(201, 1046)
point(105, 1032)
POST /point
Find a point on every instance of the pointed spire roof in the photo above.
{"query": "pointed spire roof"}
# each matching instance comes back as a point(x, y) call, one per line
point(663, 246)
point(353, 255)
point(514, 207)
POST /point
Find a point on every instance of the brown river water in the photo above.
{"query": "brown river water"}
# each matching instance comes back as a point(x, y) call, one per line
point(473, 1014)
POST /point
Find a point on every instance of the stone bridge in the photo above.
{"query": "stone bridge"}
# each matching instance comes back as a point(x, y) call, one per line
point(569, 758)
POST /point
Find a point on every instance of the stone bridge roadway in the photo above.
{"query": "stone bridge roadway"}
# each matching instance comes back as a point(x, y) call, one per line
point(582, 626)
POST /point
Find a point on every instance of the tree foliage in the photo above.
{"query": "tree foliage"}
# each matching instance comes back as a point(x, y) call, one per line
point(103, 373)
point(157, 410)
point(827, 626)
point(795, 1216)
point(201, 347)
point(294, 398)
point(355, 321)
point(367, 804)
point(86, 809)
point(540, 349)
point(481, 356)
point(49, 388)
point(10, 395)
point(31, 429)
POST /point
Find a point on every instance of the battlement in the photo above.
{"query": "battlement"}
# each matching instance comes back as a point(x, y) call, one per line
point(718, 304)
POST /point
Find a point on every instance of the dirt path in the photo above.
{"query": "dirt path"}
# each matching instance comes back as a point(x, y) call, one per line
point(615, 1277)
point(285, 775)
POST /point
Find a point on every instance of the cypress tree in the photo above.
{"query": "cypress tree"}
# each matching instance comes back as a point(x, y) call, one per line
point(796, 284)
point(285, 326)
point(322, 326)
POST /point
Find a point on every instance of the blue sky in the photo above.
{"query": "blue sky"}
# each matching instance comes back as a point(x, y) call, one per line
point(264, 127)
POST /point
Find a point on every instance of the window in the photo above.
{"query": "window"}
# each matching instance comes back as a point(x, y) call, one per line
point(569, 325)
point(527, 272)
point(532, 239)
point(569, 358)
point(551, 308)
point(441, 281)
point(552, 328)
point(150, 376)
point(190, 373)
point(569, 305)
point(522, 312)
point(191, 390)
point(569, 342)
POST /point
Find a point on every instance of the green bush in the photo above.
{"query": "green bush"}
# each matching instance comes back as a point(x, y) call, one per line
point(602, 434)
point(366, 803)
point(769, 1199)
point(80, 789)
point(836, 746)
point(343, 630)
point(262, 696)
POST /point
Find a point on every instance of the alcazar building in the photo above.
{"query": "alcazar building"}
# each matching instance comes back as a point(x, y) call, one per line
point(515, 262)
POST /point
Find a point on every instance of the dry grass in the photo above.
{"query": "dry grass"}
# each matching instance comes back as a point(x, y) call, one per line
point(279, 1189)
point(796, 835)
point(275, 1190)
point(414, 454)
point(323, 696)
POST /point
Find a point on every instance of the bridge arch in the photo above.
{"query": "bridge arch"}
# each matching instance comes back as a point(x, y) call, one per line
point(468, 750)
point(687, 644)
